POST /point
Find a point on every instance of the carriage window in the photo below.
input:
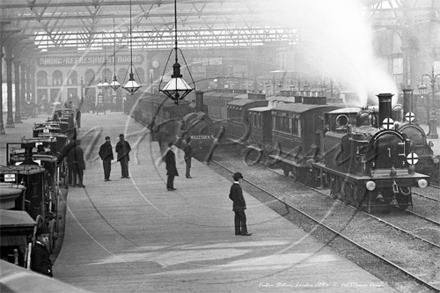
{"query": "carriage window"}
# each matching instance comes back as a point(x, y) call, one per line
point(295, 126)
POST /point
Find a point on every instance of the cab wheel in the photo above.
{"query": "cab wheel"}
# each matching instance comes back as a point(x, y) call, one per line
point(53, 235)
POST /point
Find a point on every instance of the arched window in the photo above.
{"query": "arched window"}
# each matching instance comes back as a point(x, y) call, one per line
point(73, 78)
point(122, 75)
point(89, 77)
point(57, 77)
point(107, 74)
point(42, 78)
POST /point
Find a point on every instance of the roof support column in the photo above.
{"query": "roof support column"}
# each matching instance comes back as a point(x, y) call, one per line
point(28, 83)
point(2, 127)
point(17, 92)
point(9, 58)
point(23, 86)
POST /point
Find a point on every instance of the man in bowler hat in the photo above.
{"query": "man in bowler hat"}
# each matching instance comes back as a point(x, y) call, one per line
point(170, 164)
point(40, 260)
point(106, 155)
point(123, 149)
point(238, 206)
point(188, 155)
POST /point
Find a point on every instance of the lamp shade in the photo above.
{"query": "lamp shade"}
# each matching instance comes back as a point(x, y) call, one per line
point(177, 88)
point(131, 86)
point(115, 84)
point(105, 84)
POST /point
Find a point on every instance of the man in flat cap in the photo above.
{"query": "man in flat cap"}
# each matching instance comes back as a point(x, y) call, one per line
point(238, 206)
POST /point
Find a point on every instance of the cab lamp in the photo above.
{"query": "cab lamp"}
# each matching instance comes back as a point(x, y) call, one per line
point(422, 183)
point(436, 160)
point(370, 185)
point(9, 177)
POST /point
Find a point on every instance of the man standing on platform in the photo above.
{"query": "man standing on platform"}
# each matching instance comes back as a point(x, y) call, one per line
point(40, 260)
point(106, 155)
point(170, 162)
point(75, 157)
point(123, 149)
point(239, 205)
point(188, 154)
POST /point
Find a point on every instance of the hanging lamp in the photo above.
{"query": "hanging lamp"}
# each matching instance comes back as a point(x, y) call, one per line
point(177, 88)
point(131, 86)
point(114, 84)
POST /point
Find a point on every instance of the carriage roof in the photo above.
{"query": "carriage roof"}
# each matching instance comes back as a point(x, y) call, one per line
point(301, 108)
point(16, 219)
point(243, 102)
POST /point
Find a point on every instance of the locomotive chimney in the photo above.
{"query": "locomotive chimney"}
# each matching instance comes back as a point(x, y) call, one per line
point(407, 101)
point(385, 110)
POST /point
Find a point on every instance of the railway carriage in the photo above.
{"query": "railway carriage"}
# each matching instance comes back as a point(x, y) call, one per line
point(296, 128)
point(259, 143)
point(238, 127)
point(216, 102)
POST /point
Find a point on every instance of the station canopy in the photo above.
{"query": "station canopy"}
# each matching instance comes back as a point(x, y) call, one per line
point(93, 24)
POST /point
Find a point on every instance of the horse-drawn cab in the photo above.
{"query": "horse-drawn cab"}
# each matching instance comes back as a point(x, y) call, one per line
point(32, 165)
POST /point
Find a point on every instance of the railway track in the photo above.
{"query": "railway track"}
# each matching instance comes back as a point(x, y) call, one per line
point(340, 233)
point(395, 217)
point(426, 197)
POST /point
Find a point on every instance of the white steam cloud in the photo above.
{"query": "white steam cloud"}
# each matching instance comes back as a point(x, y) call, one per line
point(337, 35)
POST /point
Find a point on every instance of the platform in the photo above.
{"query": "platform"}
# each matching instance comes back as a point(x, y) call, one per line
point(132, 235)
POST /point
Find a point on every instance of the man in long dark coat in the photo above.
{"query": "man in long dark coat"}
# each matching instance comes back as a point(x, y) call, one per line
point(106, 155)
point(77, 164)
point(188, 155)
point(170, 162)
point(123, 149)
point(238, 206)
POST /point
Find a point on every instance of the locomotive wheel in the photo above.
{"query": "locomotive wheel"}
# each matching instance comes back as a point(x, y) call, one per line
point(53, 235)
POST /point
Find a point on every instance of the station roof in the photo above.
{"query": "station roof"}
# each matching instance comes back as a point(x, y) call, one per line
point(75, 25)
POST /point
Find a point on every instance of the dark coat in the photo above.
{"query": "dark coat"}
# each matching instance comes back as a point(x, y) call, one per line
point(106, 152)
point(123, 149)
point(170, 162)
point(188, 152)
point(40, 260)
point(236, 195)
point(75, 158)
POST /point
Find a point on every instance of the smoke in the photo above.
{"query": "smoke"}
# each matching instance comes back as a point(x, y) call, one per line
point(339, 38)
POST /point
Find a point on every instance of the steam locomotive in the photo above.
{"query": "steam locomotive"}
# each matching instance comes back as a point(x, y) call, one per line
point(366, 160)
